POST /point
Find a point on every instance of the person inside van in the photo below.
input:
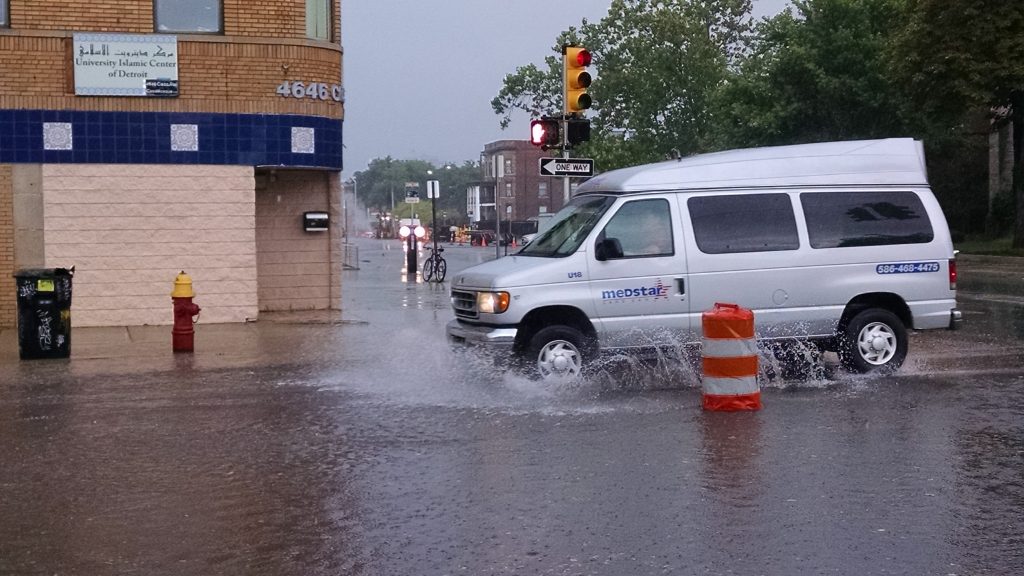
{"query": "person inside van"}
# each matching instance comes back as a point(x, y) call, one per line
point(659, 234)
point(643, 228)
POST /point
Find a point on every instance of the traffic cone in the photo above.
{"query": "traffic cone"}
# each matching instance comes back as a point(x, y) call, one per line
point(483, 241)
point(730, 359)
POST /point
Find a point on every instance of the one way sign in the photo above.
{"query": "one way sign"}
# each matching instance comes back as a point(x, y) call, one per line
point(580, 167)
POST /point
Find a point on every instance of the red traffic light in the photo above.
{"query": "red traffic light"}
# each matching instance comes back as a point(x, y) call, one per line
point(576, 79)
point(583, 58)
point(544, 132)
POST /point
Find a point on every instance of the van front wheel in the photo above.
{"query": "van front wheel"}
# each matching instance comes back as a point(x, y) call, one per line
point(558, 353)
point(875, 340)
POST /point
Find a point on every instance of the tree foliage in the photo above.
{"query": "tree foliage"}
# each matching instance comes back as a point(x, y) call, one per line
point(660, 64)
point(658, 61)
point(817, 72)
point(696, 75)
point(384, 180)
point(961, 56)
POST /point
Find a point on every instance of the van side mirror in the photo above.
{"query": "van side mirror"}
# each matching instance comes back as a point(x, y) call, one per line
point(609, 249)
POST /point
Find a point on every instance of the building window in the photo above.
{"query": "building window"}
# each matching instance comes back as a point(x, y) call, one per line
point(542, 190)
point(510, 168)
point(508, 189)
point(188, 16)
point(3, 14)
point(318, 19)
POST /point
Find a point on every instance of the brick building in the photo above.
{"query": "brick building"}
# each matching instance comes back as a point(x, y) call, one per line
point(139, 138)
point(511, 168)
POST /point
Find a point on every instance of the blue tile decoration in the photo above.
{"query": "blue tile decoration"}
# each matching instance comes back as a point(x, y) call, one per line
point(45, 136)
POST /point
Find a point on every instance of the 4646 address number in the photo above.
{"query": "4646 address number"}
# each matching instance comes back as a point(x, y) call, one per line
point(312, 90)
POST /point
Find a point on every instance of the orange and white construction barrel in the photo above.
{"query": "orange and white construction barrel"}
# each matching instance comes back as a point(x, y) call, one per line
point(730, 359)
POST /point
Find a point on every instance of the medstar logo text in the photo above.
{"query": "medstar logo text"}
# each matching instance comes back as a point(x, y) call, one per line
point(658, 290)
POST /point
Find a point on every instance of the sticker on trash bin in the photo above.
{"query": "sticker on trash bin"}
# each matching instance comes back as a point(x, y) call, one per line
point(44, 285)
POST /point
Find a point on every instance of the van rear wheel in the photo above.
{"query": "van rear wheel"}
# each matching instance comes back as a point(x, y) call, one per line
point(556, 353)
point(874, 340)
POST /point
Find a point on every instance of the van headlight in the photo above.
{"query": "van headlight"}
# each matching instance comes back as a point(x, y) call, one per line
point(492, 302)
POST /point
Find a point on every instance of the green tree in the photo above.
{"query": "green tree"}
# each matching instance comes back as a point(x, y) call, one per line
point(826, 70)
point(959, 56)
point(658, 63)
point(382, 187)
point(817, 72)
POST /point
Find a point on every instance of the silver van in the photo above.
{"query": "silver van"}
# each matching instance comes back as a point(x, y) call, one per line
point(839, 243)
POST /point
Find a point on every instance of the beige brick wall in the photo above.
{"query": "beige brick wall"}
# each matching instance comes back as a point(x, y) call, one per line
point(295, 269)
point(129, 230)
point(279, 18)
point(8, 303)
point(264, 43)
point(135, 16)
point(215, 75)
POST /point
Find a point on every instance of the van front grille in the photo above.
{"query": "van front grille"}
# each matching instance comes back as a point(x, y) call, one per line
point(464, 304)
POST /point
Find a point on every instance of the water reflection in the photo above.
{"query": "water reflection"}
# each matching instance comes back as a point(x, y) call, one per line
point(219, 475)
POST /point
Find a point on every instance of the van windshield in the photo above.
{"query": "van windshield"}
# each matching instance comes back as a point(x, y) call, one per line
point(569, 227)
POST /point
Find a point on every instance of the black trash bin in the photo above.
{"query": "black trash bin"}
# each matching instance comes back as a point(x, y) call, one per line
point(44, 312)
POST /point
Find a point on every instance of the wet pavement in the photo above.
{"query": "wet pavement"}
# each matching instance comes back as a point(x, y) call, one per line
point(358, 443)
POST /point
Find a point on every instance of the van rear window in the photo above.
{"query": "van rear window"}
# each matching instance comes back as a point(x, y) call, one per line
point(837, 220)
point(743, 223)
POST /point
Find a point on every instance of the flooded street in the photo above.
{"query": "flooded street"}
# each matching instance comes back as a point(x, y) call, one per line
point(312, 444)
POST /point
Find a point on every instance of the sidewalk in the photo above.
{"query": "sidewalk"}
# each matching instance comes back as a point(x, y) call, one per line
point(230, 344)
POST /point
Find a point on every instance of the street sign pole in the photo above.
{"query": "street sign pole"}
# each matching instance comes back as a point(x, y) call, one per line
point(433, 192)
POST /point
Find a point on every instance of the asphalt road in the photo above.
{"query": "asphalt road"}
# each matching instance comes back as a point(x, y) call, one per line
point(361, 444)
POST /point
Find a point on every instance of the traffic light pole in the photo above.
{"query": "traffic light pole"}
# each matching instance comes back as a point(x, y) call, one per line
point(566, 187)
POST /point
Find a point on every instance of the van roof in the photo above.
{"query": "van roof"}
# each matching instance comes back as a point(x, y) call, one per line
point(893, 161)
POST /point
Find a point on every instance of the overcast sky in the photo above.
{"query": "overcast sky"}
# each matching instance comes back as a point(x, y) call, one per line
point(420, 74)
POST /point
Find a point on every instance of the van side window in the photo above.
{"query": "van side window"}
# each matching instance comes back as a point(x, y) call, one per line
point(643, 228)
point(836, 220)
point(732, 223)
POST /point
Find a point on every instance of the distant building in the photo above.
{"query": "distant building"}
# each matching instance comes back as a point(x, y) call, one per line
point(511, 168)
point(140, 138)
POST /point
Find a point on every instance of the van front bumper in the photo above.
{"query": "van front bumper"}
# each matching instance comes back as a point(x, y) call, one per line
point(472, 334)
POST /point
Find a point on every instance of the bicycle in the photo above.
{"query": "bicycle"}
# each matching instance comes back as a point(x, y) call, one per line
point(434, 266)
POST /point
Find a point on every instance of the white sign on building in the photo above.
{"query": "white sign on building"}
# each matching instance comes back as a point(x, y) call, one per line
point(126, 65)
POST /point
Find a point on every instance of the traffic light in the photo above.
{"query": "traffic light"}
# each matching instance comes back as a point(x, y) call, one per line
point(577, 131)
point(576, 79)
point(545, 133)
